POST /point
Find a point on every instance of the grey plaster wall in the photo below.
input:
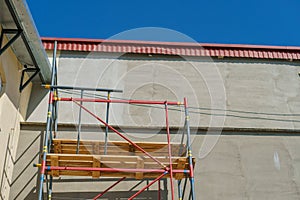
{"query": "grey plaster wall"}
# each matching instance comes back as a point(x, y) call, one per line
point(240, 166)
point(250, 167)
point(238, 93)
point(222, 92)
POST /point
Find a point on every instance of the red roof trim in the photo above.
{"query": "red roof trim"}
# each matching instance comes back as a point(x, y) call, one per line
point(174, 48)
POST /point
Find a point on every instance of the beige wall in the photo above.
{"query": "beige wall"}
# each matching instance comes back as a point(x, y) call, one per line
point(13, 107)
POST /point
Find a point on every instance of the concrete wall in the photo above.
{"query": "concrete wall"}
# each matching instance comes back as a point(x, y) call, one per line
point(13, 108)
point(250, 167)
point(245, 93)
point(242, 165)
point(262, 95)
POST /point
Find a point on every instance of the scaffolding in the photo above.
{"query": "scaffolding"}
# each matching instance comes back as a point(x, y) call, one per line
point(139, 160)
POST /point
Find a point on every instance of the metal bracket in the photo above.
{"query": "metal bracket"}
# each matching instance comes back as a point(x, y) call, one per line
point(23, 85)
point(16, 32)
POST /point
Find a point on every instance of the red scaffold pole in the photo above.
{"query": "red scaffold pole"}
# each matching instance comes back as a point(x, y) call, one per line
point(151, 183)
point(122, 136)
point(169, 149)
point(99, 100)
point(110, 187)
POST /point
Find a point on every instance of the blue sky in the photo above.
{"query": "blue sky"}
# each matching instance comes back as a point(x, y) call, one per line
point(266, 22)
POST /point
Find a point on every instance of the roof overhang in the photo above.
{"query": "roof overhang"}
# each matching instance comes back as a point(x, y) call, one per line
point(28, 47)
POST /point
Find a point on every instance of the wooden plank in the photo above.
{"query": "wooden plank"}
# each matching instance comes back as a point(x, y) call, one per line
point(75, 173)
point(114, 152)
point(110, 174)
point(181, 163)
point(156, 147)
point(54, 162)
point(96, 164)
point(96, 148)
point(72, 157)
point(76, 163)
point(57, 146)
point(117, 162)
point(111, 158)
point(131, 149)
point(114, 161)
point(139, 165)
point(74, 141)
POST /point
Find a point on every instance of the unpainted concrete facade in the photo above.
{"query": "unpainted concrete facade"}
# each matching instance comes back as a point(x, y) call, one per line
point(241, 165)
point(222, 92)
point(255, 102)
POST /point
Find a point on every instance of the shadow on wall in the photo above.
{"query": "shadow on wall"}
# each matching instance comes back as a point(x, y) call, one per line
point(38, 93)
point(24, 175)
point(113, 194)
point(108, 196)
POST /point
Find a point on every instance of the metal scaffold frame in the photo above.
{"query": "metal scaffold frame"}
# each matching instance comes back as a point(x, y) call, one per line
point(165, 170)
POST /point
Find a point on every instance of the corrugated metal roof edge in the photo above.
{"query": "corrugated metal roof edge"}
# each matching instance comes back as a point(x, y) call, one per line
point(182, 48)
point(183, 44)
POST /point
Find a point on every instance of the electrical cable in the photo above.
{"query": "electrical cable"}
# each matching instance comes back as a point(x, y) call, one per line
point(201, 110)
